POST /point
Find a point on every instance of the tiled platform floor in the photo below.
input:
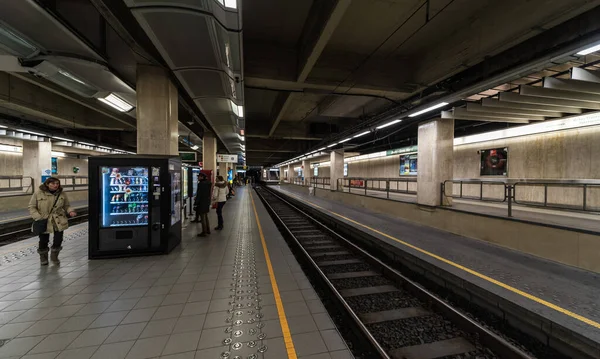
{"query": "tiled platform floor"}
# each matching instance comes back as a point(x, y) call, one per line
point(209, 297)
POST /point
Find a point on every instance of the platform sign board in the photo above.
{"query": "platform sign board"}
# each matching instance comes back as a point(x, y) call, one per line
point(403, 150)
point(345, 170)
point(494, 162)
point(187, 156)
point(316, 170)
point(54, 165)
point(46, 173)
point(227, 158)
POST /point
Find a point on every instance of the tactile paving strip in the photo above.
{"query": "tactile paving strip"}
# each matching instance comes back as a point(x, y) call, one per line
point(245, 333)
point(8, 258)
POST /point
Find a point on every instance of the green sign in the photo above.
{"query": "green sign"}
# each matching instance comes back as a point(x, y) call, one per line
point(187, 156)
point(402, 150)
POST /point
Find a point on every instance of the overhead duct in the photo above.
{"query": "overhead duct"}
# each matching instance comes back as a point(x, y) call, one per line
point(50, 72)
point(12, 42)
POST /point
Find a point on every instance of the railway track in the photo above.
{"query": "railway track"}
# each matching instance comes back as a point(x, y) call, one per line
point(14, 231)
point(395, 316)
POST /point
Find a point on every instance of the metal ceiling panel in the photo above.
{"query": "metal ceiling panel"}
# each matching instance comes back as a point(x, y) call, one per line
point(205, 83)
point(214, 105)
point(510, 111)
point(35, 23)
point(165, 28)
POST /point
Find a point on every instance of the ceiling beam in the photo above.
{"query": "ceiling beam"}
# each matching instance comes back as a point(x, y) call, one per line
point(459, 116)
point(577, 73)
point(323, 18)
point(490, 102)
point(510, 111)
point(572, 85)
point(326, 89)
point(463, 111)
point(286, 137)
point(559, 94)
point(546, 101)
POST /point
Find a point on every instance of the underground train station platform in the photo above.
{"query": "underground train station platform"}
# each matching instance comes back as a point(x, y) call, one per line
point(548, 294)
point(237, 293)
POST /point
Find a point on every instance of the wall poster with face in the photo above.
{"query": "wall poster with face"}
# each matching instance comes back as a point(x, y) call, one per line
point(494, 162)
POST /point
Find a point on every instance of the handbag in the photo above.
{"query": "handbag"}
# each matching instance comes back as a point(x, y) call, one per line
point(41, 225)
point(214, 205)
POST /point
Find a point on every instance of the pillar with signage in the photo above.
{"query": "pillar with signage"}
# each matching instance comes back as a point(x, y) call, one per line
point(436, 161)
point(37, 163)
point(337, 168)
point(306, 172)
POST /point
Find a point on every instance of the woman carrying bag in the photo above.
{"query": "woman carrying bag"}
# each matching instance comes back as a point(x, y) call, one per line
point(219, 198)
point(48, 207)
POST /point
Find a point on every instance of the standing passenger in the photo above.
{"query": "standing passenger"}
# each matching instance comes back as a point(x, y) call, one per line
point(48, 207)
point(220, 197)
point(202, 203)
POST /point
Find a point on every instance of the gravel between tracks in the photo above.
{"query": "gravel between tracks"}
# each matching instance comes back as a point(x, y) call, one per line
point(345, 268)
point(380, 302)
point(414, 331)
point(360, 282)
point(337, 257)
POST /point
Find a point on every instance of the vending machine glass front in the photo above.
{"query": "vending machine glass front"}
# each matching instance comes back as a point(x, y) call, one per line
point(175, 196)
point(124, 196)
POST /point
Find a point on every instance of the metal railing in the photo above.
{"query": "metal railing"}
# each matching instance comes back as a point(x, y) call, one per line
point(16, 185)
point(578, 195)
point(320, 182)
point(297, 180)
point(73, 183)
point(406, 185)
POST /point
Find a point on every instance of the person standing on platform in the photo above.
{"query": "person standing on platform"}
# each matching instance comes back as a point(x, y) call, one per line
point(219, 198)
point(202, 203)
point(49, 207)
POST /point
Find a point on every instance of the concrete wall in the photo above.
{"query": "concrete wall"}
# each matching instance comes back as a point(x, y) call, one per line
point(563, 246)
point(571, 154)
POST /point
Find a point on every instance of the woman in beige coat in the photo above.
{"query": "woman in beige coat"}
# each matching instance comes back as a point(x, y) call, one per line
point(50, 202)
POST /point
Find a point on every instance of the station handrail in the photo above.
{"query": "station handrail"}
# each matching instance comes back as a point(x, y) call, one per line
point(320, 182)
point(525, 192)
point(17, 184)
point(375, 184)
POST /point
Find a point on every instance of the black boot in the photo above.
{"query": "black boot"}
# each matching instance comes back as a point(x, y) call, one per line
point(54, 255)
point(43, 256)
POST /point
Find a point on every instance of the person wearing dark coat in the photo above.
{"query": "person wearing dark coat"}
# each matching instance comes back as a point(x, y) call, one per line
point(202, 203)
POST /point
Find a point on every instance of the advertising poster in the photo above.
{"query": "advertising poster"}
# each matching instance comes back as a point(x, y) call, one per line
point(494, 162)
point(408, 165)
point(54, 165)
point(345, 170)
point(316, 170)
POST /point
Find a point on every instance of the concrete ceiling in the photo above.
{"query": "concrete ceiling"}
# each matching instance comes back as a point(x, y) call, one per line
point(330, 65)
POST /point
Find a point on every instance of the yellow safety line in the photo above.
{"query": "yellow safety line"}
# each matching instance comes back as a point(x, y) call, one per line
point(287, 336)
point(468, 270)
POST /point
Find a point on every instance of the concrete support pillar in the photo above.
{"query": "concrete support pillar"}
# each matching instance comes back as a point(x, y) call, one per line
point(37, 158)
point(306, 172)
point(290, 173)
point(157, 116)
point(223, 170)
point(209, 154)
point(281, 174)
point(337, 168)
point(435, 159)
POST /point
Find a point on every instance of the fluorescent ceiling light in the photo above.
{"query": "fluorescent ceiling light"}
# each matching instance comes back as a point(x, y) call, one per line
point(321, 149)
point(15, 43)
point(441, 104)
point(237, 110)
point(87, 144)
point(589, 50)
point(346, 140)
point(331, 145)
point(231, 4)
point(388, 124)
point(592, 119)
point(3, 126)
point(116, 102)
point(362, 134)
point(62, 139)
point(58, 154)
point(6, 148)
point(195, 147)
point(31, 132)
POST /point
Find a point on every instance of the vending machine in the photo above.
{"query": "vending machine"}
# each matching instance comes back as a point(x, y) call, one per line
point(135, 204)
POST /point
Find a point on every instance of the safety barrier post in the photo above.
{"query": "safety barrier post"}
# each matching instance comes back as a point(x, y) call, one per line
point(365, 186)
point(442, 193)
point(387, 187)
point(545, 195)
point(584, 196)
point(509, 191)
point(481, 191)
